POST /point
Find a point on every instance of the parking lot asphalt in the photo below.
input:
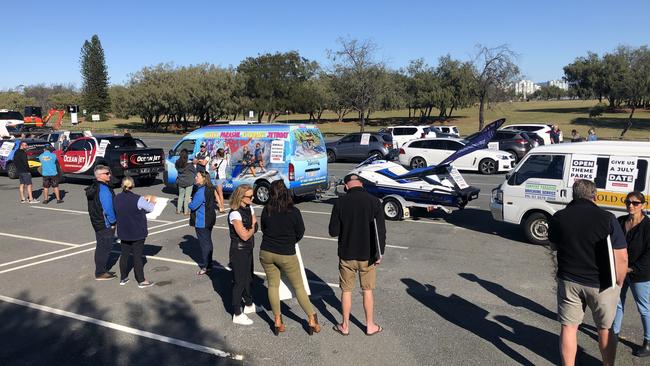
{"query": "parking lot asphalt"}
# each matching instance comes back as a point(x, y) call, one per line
point(453, 289)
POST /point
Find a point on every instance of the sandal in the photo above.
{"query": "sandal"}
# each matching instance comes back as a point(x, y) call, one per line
point(337, 329)
point(376, 332)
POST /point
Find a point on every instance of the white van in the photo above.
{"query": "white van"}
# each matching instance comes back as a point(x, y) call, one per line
point(542, 182)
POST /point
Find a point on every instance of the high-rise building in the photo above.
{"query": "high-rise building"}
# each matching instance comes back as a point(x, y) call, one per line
point(525, 88)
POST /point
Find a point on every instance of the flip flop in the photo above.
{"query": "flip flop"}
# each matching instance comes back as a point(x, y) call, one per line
point(378, 331)
point(339, 331)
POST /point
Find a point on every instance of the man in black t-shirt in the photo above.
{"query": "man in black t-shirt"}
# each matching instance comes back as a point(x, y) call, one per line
point(582, 232)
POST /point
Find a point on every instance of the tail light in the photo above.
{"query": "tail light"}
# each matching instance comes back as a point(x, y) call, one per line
point(124, 161)
point(520, 141)
point(401, 151)
point(388, 146)
point(292, 173)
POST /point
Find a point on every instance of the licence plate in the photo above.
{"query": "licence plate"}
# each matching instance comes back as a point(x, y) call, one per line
point(145, 170)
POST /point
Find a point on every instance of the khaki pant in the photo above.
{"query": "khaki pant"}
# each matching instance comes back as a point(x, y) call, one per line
point(347, 270)
point(573, 298)
point(275, 265)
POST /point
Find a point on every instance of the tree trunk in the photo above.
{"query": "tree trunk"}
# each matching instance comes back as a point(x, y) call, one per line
point(259, 116)
point(451, 111)
point(629, 121)
point(362, 123)
point(481, 113)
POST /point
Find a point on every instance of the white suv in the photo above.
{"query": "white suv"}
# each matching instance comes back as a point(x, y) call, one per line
point(403, 134)
point(541, 130)
point(450, 130)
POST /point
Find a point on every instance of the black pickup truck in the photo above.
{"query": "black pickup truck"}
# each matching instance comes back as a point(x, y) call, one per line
point(125, 155)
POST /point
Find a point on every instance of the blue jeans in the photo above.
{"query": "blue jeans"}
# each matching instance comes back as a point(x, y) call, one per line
point(641, 294)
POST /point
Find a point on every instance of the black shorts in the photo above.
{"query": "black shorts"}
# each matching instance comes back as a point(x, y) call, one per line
point(52, 182)
point(25, 178)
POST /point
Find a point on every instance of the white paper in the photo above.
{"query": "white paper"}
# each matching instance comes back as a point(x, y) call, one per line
point(101, 150)
point(621, 174)
point(493, 145)
point(365, 139)
point(277, 151)
point(6, 148)
point(158, 208)
point(583, 167)
point(95, 117)
point(455, 175)
point(285, 291)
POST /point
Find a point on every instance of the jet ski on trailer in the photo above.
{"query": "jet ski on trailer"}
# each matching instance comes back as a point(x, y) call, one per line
point(433, 187)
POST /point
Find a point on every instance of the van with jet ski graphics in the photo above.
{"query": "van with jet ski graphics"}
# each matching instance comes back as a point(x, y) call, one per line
point(259, 154)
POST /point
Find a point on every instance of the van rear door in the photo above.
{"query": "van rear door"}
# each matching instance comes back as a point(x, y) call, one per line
point(308, 160)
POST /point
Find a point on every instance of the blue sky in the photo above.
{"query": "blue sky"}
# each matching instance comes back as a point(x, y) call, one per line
point(41, 40)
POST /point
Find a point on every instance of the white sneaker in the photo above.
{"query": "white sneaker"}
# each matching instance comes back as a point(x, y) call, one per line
point(250, 309)
point(242, 319)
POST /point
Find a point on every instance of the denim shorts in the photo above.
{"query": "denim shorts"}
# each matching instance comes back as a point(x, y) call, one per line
point(25, 178)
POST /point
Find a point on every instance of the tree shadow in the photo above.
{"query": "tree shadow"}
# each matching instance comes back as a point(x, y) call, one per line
point(638, 124)
point(32, 337)
point(576, 110)
point(473, 318)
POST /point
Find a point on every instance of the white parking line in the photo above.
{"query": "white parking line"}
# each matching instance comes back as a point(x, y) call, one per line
point(225, 268)
point(38, 239)
point(122, 328)
point(76, 246)
point(75, 212)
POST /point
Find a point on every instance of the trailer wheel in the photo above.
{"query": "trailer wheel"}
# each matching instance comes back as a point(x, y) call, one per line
point(392, 209)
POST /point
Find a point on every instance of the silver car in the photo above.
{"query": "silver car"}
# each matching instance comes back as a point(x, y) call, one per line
point(359, 146)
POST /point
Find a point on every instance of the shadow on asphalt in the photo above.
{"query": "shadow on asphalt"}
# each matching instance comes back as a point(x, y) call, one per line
point(33, 337)
point(473, 318)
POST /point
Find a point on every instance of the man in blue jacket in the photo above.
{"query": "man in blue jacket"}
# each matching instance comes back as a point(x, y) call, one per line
point(102, 217)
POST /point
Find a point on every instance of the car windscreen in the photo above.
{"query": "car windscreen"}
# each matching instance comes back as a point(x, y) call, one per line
point(121, 143)
point(11, 115)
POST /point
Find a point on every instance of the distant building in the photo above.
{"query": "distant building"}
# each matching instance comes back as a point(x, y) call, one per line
point(525, 88)
point(559, 83)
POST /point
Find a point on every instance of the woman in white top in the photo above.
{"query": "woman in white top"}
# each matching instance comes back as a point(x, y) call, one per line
point(219, 166)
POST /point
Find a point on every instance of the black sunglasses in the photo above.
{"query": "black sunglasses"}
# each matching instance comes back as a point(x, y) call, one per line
point(633, 203)
point(246, 196)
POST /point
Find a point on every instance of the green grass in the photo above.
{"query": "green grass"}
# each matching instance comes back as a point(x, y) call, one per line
point(568, 114)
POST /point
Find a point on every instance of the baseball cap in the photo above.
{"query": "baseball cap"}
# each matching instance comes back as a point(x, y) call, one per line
point(203, 144)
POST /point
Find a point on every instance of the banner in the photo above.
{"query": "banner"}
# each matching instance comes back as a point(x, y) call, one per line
point(621, 174)
point(479, 142)
point(583, 167)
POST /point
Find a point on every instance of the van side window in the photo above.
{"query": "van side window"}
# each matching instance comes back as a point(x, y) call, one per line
point(601, 174)
point(187, 145)
point(539, 166)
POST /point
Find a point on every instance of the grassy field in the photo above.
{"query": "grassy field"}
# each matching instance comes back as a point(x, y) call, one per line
point(568, 114)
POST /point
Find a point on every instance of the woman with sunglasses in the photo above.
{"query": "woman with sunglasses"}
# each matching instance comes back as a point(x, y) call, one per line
point(636, 226)
point(242, 225)
point(283, 227)
point(203, 217)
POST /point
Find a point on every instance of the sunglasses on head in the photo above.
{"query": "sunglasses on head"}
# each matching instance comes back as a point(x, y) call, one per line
point(633, 203)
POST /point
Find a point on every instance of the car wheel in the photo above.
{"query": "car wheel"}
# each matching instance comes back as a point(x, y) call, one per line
point(261, 193)
point(536, 228)
point(147, 181)
point(331, 156)
point(11, 171)
point(487, 166)
point(392, 209)
point(418, 162)
point(513, 155)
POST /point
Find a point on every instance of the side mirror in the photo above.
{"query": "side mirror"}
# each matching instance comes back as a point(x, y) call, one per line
point(171, 153)
point(508, 175)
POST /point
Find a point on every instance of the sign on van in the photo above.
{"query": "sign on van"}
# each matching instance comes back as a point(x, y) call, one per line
point(583, 167)
point(621, 174)
point(277, 151)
